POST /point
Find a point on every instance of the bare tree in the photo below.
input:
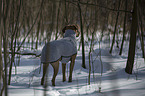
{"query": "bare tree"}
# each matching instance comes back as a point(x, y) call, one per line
point(124, 29)
point(1, 66)
point(132, 43)
point(115, 28)
point(14, 36)
point(82, 36)
point(140, 24)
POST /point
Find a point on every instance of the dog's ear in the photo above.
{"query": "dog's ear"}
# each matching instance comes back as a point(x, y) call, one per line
point(68, 27)
point(77, 28)
point(63, 30)
point(73, 27)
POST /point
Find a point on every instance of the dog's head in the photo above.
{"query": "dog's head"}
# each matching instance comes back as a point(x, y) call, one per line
point(72, 27)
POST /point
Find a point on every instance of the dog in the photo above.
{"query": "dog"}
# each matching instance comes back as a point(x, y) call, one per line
point(63, 50)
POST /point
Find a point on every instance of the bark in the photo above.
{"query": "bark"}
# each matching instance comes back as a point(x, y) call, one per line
point(141, 28)
point(124, 28)
point(37, 35)
point(113, 41)
point(142, 41)
point(6, 5)
point(14, 36)
point(1, 63)
point(82, 36)
point(58, 13)
point(66, 17)
point(132, 43)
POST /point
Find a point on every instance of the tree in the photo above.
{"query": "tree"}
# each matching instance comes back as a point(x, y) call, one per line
point(82, 36)
point(1, 68)
point(0, 48)
point(132, 43)
point(1, 64)
point(123, 29)
point(115, 28)
point(140, 22)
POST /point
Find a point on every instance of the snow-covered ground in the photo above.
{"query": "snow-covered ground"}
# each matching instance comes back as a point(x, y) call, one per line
point(113, 81)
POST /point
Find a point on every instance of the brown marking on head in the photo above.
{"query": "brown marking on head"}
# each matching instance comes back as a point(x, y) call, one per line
point(72, 27)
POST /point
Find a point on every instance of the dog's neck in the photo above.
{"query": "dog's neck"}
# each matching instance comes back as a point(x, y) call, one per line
point(70, 33)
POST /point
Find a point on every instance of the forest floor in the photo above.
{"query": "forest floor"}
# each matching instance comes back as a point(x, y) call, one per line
point(112, 82)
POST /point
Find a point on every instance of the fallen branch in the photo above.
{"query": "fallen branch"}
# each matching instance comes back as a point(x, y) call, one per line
point(37, 55)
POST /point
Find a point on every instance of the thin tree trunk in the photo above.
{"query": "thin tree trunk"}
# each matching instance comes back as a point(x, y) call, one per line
point(32, 39)
point(117, 38)
point(132, 43)
point(91, 48)
point(124, 28)
point(57, 20)
point(13, 45)
point(141, 27)
point(142, 43)
point(66, 18)
point(115, 28)
point(52, 21)
point(6, 5)
point(37, 34)
point(2, 76)
point(103, 29)
point(1, 65)
point(5, 54)
point(82, 36)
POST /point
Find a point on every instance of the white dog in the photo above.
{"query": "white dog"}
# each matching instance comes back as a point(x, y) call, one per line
point(63, 50)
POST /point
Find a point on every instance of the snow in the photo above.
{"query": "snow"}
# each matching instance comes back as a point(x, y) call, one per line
point(113, 81)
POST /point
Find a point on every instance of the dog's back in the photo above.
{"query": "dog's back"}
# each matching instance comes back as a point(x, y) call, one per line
point(64, 48)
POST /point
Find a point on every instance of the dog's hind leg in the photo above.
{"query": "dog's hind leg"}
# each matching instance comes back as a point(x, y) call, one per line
point(55, 66)
point(63, 71)
point(45, 66)
point(71, 67)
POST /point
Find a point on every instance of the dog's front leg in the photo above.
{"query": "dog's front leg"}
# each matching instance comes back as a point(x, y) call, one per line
point(71, 67)
point(63, 71)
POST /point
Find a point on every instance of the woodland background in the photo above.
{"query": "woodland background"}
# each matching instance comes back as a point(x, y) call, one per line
point(31, 23)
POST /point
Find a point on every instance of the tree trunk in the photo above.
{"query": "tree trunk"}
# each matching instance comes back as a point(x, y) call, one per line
point(123, 30)
point(37, 34)
point(66, 17)
point(132, 43)
point(115, 28)
point(141, 28)
point(82, 36)
point(1, 63)
point(142, 42)
point(14, 36)
point(142, 39)
point(58, 13)
point(5, 24)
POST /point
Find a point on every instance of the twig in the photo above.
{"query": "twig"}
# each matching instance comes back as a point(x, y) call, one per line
point(91, 4)
point(32, 25)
